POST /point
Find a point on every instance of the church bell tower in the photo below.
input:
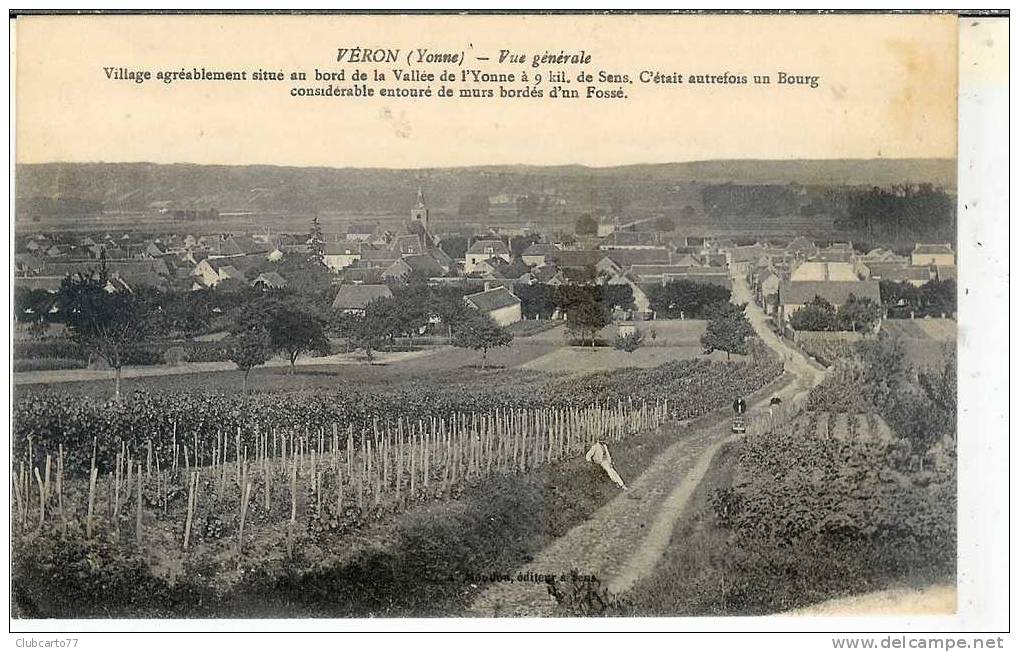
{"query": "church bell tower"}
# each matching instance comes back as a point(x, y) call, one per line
point(419, 214)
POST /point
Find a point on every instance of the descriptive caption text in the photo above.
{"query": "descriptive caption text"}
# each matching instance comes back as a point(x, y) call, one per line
point(424, 74)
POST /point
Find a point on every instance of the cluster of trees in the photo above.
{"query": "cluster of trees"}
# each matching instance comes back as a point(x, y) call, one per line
point(109, 324)
point(899, 213)
point(586, 310)
point(685, 299)
point(542, 301)
point(856, 314)
point(410, 311)
point(931, 299)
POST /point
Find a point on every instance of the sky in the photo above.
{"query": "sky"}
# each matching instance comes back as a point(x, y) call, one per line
point(887, 88)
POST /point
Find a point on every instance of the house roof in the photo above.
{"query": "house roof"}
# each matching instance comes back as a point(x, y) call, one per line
point(629, 257)
point(28, 261)
point(715, 278)
point(540, 249)
point(883, 270)
point(932, 249)
point(813, 270)
point(407, 244)
point(835, 292)
point(48, 283)
point(133, 280)
point(356, 297)
point(630, 239)
point(124, 267)
point(946, 272)
point(801, 244)
point(908, 273)
point(658, 270)
point(746, 254)
point(270, 279)
point(493, 299)
point(544, 273)
point(576, 257)
point(229, 271)
point(340, 249)
point(498, 247)
point(425, 264)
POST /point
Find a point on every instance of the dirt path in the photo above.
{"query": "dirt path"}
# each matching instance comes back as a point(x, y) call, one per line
point(623, 541)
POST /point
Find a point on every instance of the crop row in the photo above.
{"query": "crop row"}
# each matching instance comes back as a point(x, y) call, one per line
point(692, 387)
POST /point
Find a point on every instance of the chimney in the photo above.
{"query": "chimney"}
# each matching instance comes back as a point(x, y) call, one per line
point(488, 286)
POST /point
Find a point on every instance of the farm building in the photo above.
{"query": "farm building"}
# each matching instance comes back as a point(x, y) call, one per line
point(352, 299)
point(793, 295)
point(498, 303)
point(933, 254)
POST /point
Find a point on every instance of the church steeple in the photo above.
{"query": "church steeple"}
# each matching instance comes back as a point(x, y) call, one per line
point(419, 214)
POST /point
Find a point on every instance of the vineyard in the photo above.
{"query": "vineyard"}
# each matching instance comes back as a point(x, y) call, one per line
point(197, 491)
point(825, 506)
point(248, 479)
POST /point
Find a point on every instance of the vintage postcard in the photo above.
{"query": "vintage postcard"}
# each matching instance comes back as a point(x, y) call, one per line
point(485, 316)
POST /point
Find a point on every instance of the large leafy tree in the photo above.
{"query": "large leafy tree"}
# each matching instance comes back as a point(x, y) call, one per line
point(586, 316)
point(447, 304)
point(480, 333)
point(248, 347)
point(293, 328)
point(535, 300)
point(816, 315)
point(107, 324)
point(858, 314)
point(586, 225)
point(728, 329)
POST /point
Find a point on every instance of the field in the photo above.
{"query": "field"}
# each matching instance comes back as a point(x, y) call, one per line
point(928, 342)
point(939, 330)
point(532, 358)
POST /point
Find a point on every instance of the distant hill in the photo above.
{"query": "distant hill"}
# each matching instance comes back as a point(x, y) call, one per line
point(52, 188)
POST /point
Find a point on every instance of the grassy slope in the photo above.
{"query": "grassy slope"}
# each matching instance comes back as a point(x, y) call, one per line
point(703, 573)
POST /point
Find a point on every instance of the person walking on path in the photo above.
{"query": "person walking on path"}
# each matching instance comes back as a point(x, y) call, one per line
point(599, 454)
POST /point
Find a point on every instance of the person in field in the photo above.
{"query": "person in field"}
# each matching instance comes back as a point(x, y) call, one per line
point(599, 454)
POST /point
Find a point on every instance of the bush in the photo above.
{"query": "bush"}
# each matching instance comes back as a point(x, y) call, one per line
point(142, 356)
point(47, 364)
point(50, 348)
point(61, 574)
point(629, 342)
